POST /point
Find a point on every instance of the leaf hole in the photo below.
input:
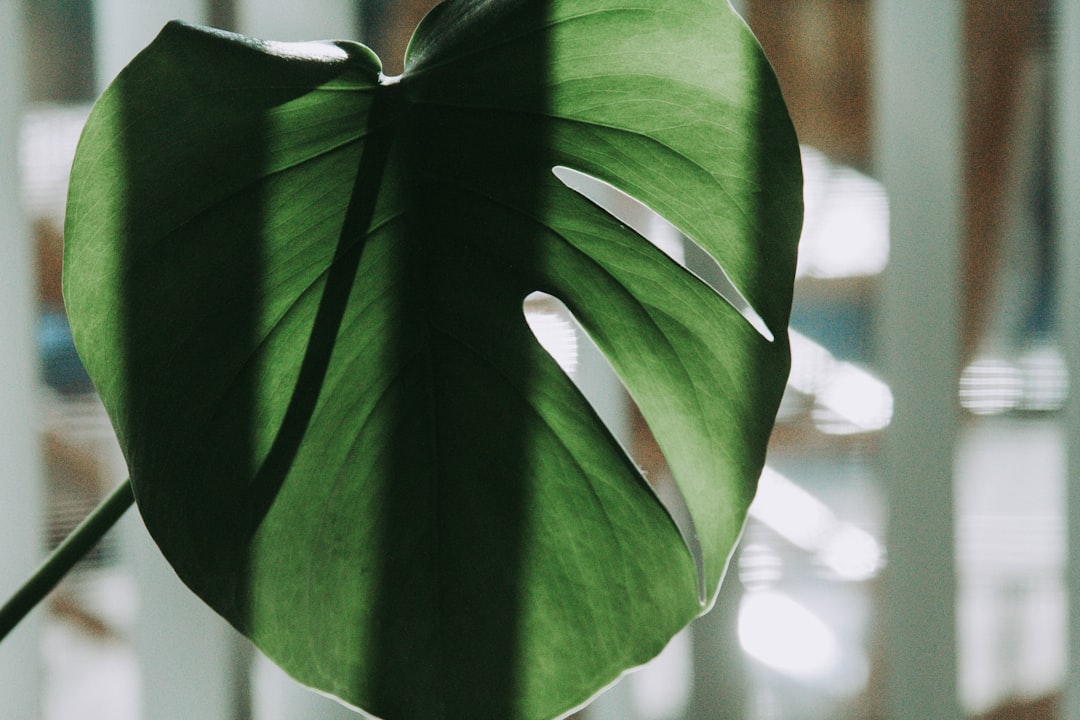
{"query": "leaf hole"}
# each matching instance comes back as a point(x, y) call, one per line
point(553, 325)
point(668, 238)
point(565, 340)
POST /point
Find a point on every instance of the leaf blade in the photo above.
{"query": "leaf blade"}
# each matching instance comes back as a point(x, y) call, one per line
point(345, 438)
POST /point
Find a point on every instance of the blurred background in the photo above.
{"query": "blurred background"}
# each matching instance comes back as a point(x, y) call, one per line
point(906, 556)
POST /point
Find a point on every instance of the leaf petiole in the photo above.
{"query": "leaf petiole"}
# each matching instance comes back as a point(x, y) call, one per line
point(73, 548)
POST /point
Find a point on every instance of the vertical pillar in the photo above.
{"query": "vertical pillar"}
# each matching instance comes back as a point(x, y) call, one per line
point(20, 486)
point(192, 663)
point(1066, 23)
point(918, 115)
point(190, 660)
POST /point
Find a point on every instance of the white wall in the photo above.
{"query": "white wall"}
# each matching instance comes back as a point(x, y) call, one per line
point(296, 21)
point(20, 486)
point(124, 27)
point(919, 100)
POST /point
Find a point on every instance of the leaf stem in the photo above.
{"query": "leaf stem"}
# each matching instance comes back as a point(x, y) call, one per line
point(74, 547)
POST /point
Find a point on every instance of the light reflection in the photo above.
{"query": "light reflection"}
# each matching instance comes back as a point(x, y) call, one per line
point(852, 553)
point(846, 221)
point(846, 398)
point(810, 364)
point(759, 566)
point(661, 689)
point(849, 552)
point(851, 400)
point(1037, 381)
point(1045, 378)
point(989, 386)
point(47, 141)
point(784, 635)
point(790, 511)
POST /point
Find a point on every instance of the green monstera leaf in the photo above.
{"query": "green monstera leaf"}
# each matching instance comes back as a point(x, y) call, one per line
point(298, 283)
